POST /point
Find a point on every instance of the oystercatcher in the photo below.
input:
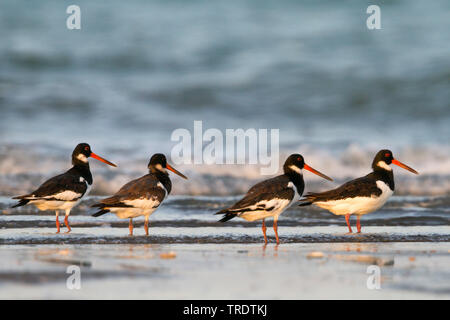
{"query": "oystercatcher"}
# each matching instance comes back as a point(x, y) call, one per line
point(271, 197)
point(63, 192)
point(141, 197)
point(362, 195)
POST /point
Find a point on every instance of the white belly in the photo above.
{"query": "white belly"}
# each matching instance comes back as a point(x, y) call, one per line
point(358, 205)
point(62, 204)
point(139, 207)
point(258, 215)
point(125, 213)
point(54, 204)
point(280, 205)
point(144, 204)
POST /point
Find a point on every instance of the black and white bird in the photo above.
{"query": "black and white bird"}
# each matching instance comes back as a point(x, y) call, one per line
point(271, 197)
point(63, 192)
point(362, 195)
point(141, 197)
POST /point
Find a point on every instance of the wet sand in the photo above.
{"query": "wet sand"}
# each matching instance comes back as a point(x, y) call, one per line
point(223, 234)
point(332, 270)
point(189, 255)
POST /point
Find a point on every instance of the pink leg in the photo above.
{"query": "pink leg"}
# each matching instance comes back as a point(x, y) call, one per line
point(358, 223)
point(347, 219)
point(130, 226)
point(146, 226)
point(275, 229)
point(66, 222)
point(57, 224)
point(264, 231)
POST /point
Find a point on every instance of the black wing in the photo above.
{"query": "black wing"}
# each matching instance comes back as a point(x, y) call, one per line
point(145, 187)
point(362, 187)
point(64, 187)
point(255, 198)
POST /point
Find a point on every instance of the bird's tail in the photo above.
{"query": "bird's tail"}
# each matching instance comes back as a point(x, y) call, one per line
point(21, 202)
point(305, 202)
point(227, 215)
point(308, 200)
point(101, 209)
point(100, 212)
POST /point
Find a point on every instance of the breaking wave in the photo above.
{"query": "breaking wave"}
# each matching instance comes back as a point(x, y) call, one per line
point(23, 167)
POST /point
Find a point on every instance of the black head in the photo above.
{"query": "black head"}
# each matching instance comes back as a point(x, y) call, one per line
point(158, 164)
point(384, 158)
point(157, 159)
point(295, 163)
point(82, 152)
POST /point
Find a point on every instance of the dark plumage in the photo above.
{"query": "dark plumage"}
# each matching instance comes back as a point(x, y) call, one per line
point(54, 187)
point(271, 197)
point(259, 196)
point(63, 191)
point(361, 187)
point(145, 187)
point(141, 196)
point(362, 195)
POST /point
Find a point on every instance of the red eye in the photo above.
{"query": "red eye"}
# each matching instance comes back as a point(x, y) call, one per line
point(387, 155)
point(298, 159)
point(86, 148)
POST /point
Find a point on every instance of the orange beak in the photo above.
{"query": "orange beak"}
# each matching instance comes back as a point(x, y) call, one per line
point(175, 171)
point(317, 172)
point(93, 155)
point(404, 166)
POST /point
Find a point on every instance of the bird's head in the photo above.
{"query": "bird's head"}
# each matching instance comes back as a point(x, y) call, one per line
point(82, 152)
point(158, 163)
point(295, 164)
point(384, 158)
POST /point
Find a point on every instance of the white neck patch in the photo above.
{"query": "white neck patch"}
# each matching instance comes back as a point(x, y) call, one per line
point(384, 165)
point(296, 169)
point(160, 168)
point(82, 158)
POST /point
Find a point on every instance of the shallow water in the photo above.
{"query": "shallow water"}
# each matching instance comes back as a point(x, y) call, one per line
point(222, 234)
point(189, 255)
point(190, 219)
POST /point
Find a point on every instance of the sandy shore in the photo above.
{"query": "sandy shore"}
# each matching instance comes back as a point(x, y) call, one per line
point(227, 271)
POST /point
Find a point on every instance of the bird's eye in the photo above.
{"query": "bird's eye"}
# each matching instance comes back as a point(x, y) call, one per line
point(298, 159)
point(387, 155)
point(86, 148)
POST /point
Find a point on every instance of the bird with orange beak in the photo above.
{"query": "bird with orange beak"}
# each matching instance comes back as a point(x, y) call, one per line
point(65, 191)
point(272, 197)
point(142, 196)
point(363, 195)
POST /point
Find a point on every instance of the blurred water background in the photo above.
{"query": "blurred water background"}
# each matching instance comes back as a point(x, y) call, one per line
point(137, 70)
